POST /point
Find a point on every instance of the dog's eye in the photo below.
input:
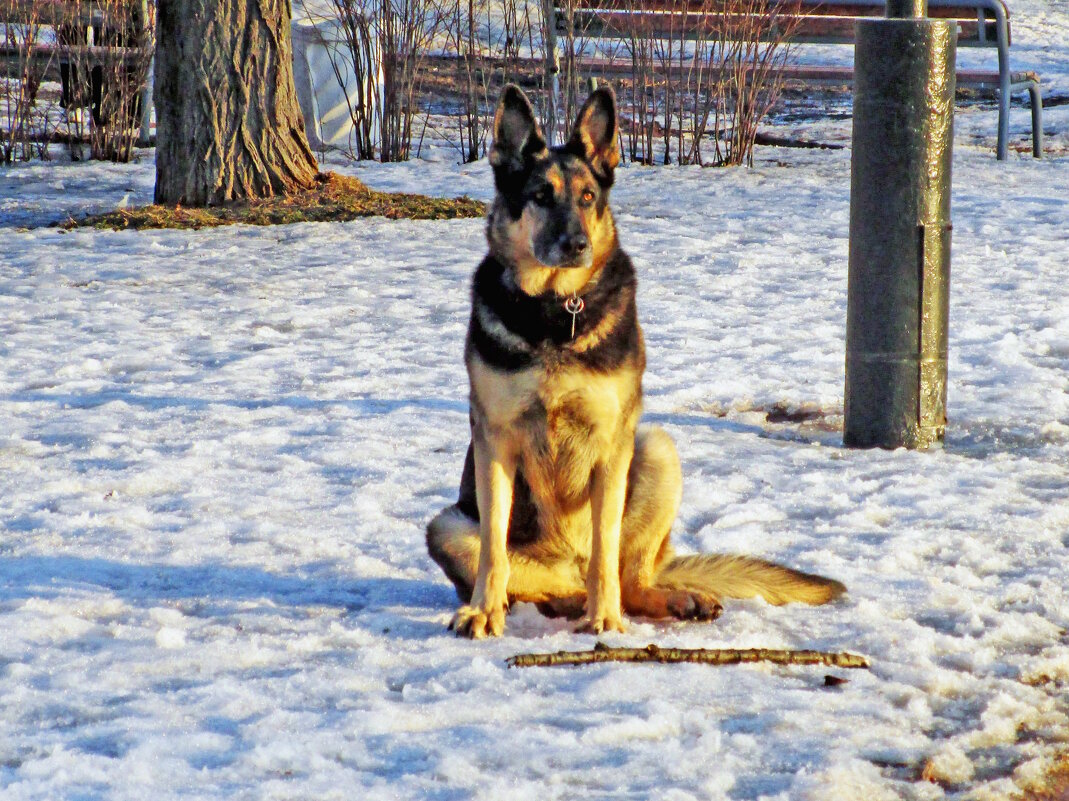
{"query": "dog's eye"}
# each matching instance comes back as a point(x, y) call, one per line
point(587, 197)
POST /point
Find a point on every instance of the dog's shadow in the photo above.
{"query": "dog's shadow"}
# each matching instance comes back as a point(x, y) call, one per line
point(220, 590)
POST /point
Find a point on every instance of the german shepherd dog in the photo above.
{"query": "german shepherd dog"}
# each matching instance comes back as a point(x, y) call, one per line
point(564, 500)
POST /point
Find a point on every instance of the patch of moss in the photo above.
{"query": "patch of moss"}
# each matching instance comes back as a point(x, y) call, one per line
point(334, 198)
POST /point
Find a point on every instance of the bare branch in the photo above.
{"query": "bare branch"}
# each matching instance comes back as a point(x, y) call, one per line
point(705, 656)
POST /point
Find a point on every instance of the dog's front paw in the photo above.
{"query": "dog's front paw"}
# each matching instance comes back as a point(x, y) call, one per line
point(597, 622)
point(476, 623)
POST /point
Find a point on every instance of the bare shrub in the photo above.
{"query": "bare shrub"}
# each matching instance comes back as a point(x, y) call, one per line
point(405, 30)
point(386, 41)
point(467, 28)
point(754, 37)
point(128, 36)
point(580, 30)
point(359, 60)
point(647, 83)
point(107, 67)
point(697, 69)
point(26, 129)
point(486, 39)
point(573, 46)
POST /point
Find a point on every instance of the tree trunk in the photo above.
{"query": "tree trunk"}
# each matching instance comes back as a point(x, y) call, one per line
point(228, 125)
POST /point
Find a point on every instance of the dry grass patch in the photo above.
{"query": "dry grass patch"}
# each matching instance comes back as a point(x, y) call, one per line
point(334, 198)
point(1055, 786)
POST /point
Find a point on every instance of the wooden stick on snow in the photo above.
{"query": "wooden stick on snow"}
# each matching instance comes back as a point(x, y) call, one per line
point(705, 656)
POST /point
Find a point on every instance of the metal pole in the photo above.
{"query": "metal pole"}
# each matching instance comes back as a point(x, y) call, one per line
point(144, 138)
point(552, 70)
point(907, 9)
point(899, 274)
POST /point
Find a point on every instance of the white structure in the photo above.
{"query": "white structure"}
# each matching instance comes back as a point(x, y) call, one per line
point(327, 85)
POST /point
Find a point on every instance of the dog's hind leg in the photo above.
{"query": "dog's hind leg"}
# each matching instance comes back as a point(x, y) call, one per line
point(655, 486)
point(656, 583)
point(453, 542)
point(555, 585)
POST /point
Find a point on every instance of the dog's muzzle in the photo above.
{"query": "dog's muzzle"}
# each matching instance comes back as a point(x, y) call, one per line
point(571, 251)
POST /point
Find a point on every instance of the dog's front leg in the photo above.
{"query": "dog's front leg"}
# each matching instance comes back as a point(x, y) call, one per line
point(495, 473)
point(608, 492)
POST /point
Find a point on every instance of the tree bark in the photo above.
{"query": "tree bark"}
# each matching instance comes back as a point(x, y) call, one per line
point(228, 125)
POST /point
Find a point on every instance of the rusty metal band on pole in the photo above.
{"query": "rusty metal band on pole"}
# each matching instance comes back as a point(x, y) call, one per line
point(899, 273)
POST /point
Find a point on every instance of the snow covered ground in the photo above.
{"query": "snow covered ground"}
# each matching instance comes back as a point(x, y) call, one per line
point(218, 450)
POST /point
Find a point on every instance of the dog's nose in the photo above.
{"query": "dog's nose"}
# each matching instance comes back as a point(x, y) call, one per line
point(575, 244)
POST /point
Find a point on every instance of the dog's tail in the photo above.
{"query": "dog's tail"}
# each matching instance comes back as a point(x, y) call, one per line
point(727, 576)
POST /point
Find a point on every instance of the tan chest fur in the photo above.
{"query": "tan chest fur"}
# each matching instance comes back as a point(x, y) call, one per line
point(559, 421)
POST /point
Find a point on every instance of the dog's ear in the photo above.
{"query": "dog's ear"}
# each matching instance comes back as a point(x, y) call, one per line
point(594, 135)
point(517, 138)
